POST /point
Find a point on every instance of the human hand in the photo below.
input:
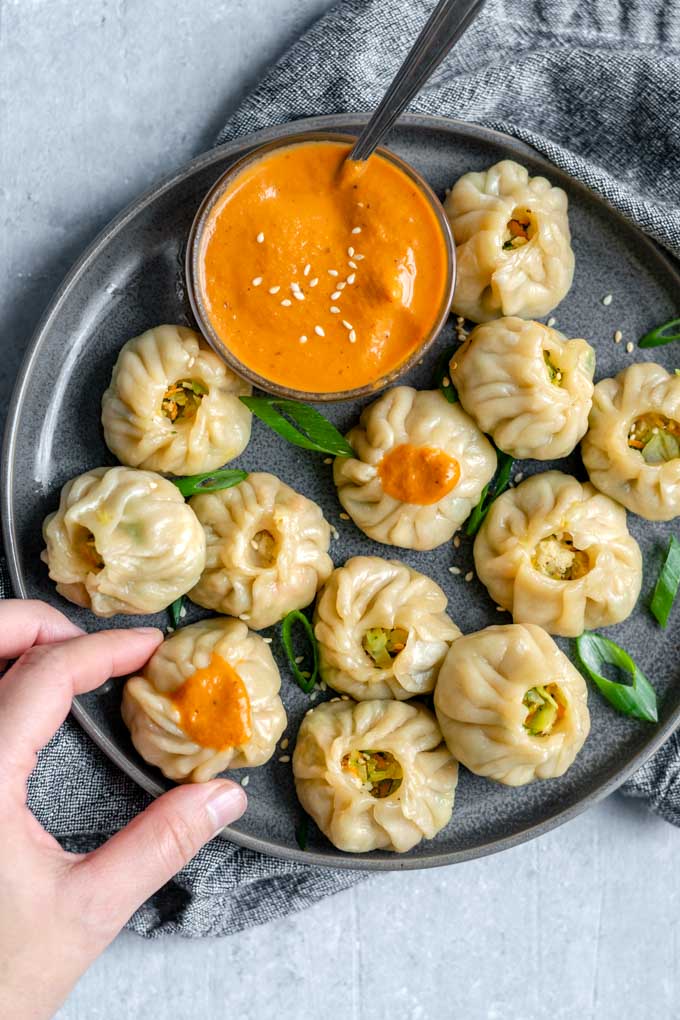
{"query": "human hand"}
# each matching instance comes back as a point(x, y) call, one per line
point(59, 910)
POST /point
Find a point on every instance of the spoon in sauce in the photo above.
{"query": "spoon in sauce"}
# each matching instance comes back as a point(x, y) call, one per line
point(446, 24)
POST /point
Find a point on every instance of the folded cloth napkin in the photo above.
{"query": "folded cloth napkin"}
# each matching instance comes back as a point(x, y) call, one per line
point(594, 85)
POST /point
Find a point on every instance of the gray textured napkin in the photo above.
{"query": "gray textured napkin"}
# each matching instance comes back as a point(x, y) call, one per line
point(594, 85)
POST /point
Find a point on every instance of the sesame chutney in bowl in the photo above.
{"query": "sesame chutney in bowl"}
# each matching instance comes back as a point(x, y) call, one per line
point(318, 278)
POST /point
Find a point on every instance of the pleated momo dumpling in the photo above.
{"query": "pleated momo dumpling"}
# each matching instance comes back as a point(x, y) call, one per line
point(207, 700)
point(632, 449)
point(382, 630)
point(513, 245)
point(526, 385)
point(267, 550)
point(173, 405)
point(374, 775)
point(419, 468)
point(558, 553)
point(511, 706)
point(123, 541)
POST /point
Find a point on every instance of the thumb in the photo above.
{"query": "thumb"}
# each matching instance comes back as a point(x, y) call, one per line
point(143, 856)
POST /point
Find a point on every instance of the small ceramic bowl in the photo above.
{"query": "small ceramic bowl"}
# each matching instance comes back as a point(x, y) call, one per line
point(220, 344)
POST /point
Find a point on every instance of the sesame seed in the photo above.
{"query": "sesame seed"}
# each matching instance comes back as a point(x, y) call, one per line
point(344, 697)
point(333, 272)
point(299, 659)
point(343, 517)
point(346, 324)
point(319, 331)
point(350, 252)
point(245, 780)
point(298, 295)
point(169, 630)
point(182, 612)
point(305, 271)
point(607, 299)
point(323, 685)
point(618, 336)
point(454, 570)
point(334, 532)
point(274, 290)
point(552, 321)
point(356, 230)
point(351, 264)
point(456, 541)
point(334, 310)
point(359, 257)
point(655, 431)
point(260, 238)
point(558, 376)
point(286, 302)
point(460, 319)
point(360, 204)
point(284, 743)
point(470, 574)
point(499, 609)
point(341, 285)
point(446, 382)
point(284, 758)
point(303, 339)
point(335, 295)
point(244, 616)
point(351, 278)
point(313, 283)
point(629, 347)
point(313, 696)
point(328, 460)
point(519, 476)
point(256, 281)
point(352, 336)
point(267, 640)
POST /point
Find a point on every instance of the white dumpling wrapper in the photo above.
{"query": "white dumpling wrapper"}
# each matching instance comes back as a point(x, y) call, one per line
point(504, 383)
point(479, 697)
point(528, 281)
point(347, 813)
point(650, 490)
point(154, 720)
point(371, 592)
point(550, 504)
point(261, 581)
point(420, 418)
point(138, 432)
point(149, 539)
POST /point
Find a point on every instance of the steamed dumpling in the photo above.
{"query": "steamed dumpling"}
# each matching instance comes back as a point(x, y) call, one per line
point(419, 468)
point(374, 775)
point(558, 553)
point(511, 706)
point(513, 246)
point(123, 541)
point(207, 700)
point(526, 385)
point(382, 630)
point(632, 449)
point(173, 405)
point(267, 550)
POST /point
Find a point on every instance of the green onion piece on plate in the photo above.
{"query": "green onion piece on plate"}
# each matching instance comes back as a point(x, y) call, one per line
point(660, 335)
point(175, 610)
point(300, 425)
point(666, 587)
point(490, 492)
point(304, 679)
point(443, 377)
point(636, 699)
point(211, 481)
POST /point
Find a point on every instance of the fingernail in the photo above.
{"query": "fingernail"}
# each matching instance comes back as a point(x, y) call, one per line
point(146, 630)
point(227, 804)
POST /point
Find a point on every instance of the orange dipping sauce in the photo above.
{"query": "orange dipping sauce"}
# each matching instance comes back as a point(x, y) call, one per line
point(322, 276)
point(214, 706)
point(418, 474)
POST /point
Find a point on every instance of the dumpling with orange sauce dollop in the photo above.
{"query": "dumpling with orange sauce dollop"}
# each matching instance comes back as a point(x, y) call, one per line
point(207, 700)
point(419, 468)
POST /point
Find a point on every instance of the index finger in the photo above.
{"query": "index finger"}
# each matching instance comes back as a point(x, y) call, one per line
point(36, 692)
point(27, 622)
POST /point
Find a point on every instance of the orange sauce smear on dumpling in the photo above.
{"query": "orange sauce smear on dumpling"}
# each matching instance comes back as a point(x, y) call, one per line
point(214, 706)
point(418, 474)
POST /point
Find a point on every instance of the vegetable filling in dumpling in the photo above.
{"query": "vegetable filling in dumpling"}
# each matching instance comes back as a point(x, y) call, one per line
point(182, 399)
point(656, 437)
point(557, 557)
point(545, 707)
point(379, 772)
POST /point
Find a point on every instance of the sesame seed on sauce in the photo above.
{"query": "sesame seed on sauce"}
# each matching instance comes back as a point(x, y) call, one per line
point(260, 238)
point(274, 290)
point(298, 295)
point(342, 285)
point(303, 339)
point(352, 336)
point(334, 310)
point(350, 251)
point(256, 281)
point(333, 272)
point(319, 330)
point(286, 302)
point(352, 265)
point(335, 295)
point(359, 257)
point(351, 278)
point(346, 324)
point(356, 230)
point(313, 283)
point(306, 270)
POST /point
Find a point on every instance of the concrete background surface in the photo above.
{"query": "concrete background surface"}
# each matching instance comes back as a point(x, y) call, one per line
point(97, 101)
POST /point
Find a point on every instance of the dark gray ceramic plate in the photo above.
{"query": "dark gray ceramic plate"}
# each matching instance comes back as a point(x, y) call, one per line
point(131, 278)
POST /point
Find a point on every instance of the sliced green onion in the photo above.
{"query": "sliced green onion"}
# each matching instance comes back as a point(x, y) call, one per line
point(661, 448)
point(490, 492)
point(636, 699)
point(175, 611)
point(442, 373)
point(660, 334)
point(666, 587)
point(305, 680)
point(211, 481)
point(302, 832)
point(313, 431)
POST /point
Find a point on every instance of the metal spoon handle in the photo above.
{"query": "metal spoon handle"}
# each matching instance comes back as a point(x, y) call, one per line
point(444, 27)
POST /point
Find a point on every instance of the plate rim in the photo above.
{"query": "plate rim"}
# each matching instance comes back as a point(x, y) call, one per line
point(334, 858)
